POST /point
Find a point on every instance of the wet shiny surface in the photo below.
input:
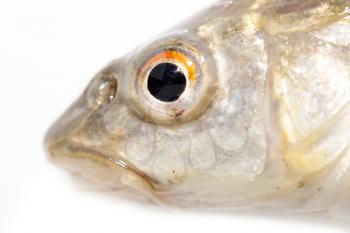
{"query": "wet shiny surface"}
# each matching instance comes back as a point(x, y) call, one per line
point(238, 134)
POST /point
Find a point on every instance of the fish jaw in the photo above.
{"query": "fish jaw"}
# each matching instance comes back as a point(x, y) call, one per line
point(66, 148)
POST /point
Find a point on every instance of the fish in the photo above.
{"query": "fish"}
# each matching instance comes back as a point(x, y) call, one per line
point(246, 104)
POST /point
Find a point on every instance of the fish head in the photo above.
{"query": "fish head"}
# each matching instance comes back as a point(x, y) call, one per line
point(199, 116)
point(130, 126)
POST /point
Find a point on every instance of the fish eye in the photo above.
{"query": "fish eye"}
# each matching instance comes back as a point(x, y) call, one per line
point(174, 82)
point(166, 82)
point(168, 74)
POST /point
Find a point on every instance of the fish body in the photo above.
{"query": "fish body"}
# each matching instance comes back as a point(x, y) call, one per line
point(244, 104)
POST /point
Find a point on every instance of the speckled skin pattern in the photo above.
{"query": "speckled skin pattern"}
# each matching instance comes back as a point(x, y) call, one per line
point(265, 123)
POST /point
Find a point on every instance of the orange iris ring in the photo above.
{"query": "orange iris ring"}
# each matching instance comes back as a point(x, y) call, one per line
point(171, 56)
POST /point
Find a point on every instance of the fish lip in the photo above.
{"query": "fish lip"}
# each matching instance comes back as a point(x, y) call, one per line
point(63, 146)
point(63, 151)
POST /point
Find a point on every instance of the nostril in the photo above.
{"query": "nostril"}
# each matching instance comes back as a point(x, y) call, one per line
point(102, 90)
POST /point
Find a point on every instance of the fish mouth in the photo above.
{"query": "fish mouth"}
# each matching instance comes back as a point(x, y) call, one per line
point(64, 147)
point(99, 167)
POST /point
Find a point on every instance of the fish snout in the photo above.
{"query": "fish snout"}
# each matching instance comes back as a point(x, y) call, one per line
point(74, 143)
point(79, 118)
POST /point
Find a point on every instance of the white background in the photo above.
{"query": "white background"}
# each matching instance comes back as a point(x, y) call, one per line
point(48, 52)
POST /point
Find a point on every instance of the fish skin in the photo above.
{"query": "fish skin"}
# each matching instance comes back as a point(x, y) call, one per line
point(265, 124)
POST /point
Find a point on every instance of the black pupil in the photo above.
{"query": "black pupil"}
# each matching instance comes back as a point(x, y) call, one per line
point(166, 82)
